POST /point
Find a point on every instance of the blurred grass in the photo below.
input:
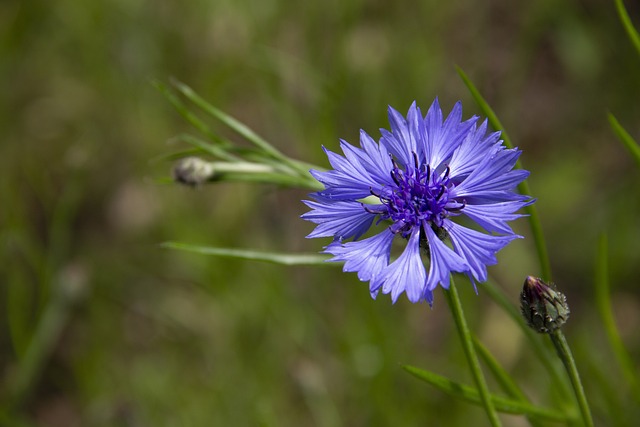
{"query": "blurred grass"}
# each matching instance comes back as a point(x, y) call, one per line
point(167, 338)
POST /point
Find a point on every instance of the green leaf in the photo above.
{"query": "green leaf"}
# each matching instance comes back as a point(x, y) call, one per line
point(626, 139)
point(207, 147)
point(237, 126)
point(536, 343)
point(220, 147)
point(628, 26)
point(485, 108)
point(504, 379)
point(466, 340)
point(470, 394)
point(523, 187)
point(603, 301)
point(175, 155)
point(272, 257)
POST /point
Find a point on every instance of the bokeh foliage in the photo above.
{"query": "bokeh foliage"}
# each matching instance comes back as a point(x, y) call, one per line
point(155, 337)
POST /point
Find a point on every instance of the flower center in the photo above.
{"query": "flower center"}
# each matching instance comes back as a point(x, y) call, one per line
point(421, 194)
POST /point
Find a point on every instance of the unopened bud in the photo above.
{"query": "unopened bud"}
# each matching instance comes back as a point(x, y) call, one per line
point(544, 308)
point(192, 171)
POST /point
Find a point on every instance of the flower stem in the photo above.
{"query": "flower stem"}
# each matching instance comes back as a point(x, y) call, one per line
point(472, 358)
point(562, 347)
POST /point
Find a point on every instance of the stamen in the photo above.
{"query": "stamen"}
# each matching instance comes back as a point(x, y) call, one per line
point(394, 177)
point(458, 208)
point(374, 209)
point(446, 173)
point(415, 160)
point(393, 161)
point(397, 227)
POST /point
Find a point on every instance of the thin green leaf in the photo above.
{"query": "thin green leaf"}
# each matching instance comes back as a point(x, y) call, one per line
point(269, 178)
point(19, 308)
point(175, 155)
point(236, 125)
point(472, 358)
point(625, 138)
point(540, 349)
point(470, 394)
point(272, 257)
point(207, 147)
point(628, 26)
point(47, 333)
point(504, 379)
point(220, 144)
point(534, 219)
point(603, 301)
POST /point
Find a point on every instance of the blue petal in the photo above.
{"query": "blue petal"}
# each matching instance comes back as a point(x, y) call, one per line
point(475, 148)
point(339, 186)
point(443, 261)
point(340, 220)
point(400, 141)
point(444, 137)
point(370, 160)
point(367, 257)
point(493, 217)
point(492, 177)
point(352, 169)
point(406, 273)
point(380, 159)
point(478, 249)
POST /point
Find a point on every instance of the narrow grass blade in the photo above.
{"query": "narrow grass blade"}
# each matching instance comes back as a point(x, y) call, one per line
point(603, 301)
point(470, 394)
point(502, 377)
point(47, 333)
point(189, 116)
point(625, 138)
point(207, 147)
point(272, 257)
point(175, 155)
point(231, 122)
point(234, 124)
point(537, 345)
point(628, 26)
point(523, 187)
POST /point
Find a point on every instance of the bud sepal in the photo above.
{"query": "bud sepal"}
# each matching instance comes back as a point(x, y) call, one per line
point(544, 308)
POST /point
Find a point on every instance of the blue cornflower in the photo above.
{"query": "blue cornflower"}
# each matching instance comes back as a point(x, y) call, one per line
point(421, 175)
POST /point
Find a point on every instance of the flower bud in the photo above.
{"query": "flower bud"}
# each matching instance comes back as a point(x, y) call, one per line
point(544, 308)
point(192, 171)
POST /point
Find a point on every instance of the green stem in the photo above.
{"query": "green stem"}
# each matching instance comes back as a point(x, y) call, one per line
point(562, 347)
point(472, 358)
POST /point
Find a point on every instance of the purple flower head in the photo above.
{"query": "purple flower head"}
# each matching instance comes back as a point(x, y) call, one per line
point(420, 176)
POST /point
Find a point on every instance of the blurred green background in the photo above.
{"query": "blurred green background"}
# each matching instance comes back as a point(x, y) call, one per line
point(164, 338)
